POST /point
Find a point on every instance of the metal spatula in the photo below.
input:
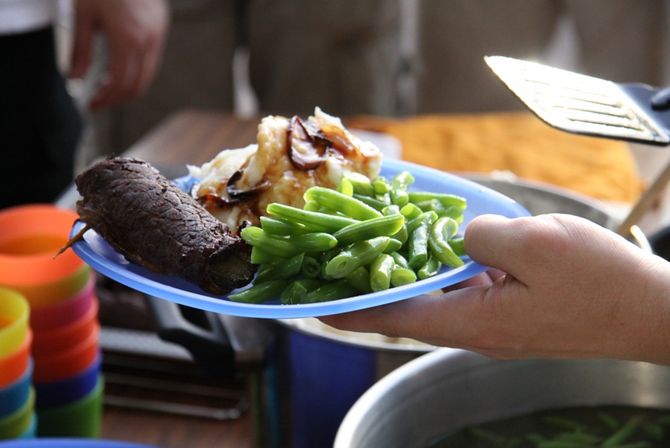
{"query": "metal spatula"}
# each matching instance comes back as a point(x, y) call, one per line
point(583, 104)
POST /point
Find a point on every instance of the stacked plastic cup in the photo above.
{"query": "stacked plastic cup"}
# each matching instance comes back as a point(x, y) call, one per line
point(17, 397)
point(60, 290)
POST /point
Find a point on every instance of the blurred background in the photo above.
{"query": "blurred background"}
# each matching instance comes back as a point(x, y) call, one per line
point(179, 80)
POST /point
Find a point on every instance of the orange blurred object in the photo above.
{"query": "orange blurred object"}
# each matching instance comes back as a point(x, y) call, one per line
point(14, 364)
point(30, 237)
point(517, 142)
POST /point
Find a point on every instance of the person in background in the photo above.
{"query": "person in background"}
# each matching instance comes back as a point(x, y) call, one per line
point(40, 126)
point(560, 287)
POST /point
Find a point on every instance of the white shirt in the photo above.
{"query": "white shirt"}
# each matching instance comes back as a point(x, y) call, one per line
point(19, 16)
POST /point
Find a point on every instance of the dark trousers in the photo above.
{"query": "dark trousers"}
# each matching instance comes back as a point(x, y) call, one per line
point(40, 126)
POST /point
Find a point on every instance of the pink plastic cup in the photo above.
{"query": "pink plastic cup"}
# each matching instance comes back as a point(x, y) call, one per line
point(63, 313)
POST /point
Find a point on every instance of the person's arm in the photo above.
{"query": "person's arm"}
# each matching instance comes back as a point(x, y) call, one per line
point(572, 290)
point(135, 32)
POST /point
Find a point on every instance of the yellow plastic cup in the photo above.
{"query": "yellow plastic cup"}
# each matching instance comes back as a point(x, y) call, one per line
point(14, 313)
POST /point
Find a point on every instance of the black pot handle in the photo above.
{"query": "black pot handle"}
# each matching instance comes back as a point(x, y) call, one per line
point(208, 343)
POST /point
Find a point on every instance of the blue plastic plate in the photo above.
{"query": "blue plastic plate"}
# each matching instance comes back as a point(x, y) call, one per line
point(481, 200)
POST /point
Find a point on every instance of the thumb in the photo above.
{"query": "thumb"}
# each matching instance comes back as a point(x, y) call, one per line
point(503, 243)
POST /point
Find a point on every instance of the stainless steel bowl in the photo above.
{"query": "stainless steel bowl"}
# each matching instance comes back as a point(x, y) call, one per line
point(427, 399)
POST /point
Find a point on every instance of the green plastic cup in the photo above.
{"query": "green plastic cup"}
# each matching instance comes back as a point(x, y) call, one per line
point(18, 422)
point(81, 418)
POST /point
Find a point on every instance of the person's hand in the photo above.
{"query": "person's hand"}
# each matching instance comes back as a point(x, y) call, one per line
point(571, 289)
point(135, 32)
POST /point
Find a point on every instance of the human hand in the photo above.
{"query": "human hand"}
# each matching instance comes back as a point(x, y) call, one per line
point(566, 288)
point(135, 31)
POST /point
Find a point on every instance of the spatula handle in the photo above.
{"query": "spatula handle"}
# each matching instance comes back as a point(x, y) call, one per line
point(645, 202)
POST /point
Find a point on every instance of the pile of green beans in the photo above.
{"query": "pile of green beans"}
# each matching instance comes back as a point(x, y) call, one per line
point(366, 235)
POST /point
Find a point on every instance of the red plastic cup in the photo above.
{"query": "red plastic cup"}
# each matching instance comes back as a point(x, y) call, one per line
point(30, 236)
point(14, 364)
point(63, 313)
point(46, 343)
point(68, 363)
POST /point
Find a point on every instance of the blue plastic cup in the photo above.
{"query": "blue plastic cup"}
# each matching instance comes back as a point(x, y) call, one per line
point(14, 396)
point(60, 393)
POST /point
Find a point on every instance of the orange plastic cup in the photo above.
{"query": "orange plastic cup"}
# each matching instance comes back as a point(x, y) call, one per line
point(62, 338)
point(67, 363)
point(14, 364)
point(14, 313)
point(30, 236)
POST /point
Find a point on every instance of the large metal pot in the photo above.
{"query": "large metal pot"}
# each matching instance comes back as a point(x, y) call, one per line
point(330, 369)
point(435, 395)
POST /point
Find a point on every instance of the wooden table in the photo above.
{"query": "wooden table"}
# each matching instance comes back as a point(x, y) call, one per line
point(193, 137)
point(190, 137)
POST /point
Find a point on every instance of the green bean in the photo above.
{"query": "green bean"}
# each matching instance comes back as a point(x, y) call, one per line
point(372, 202)
point(314, 221)
point(259, 256)
point(380, 272)
point(452, 211)
point(360, 279)
point(338, 289)
point(313, 242)
point(445, 198)
point(402, 276)
point(282, 227)
point(260, 292)
point(402, 180)
point(384, 198)
point(439, 245)
point(431, 216)
point(399, 197)
point(311, 206)
point(391, 210)
point(381, 186)
point(401, 235)
point(431, 268)
point(578, 437)
point(393, 246)
point(255, 236)
point(281, 269)
point(350, 206)
point(365, 230)
point(653, 430)
point(346, 187)
point(296, 291)
point(399, 260)
point(310, 267)
point(418, 245)
point(410, 211)
point(486, 436)
point(561, 444)
point(361, 184)
point(563, 423)
point(623, 433)
point(535, 438)
point(457, 243)
point(611, 422)
point(361, 253)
